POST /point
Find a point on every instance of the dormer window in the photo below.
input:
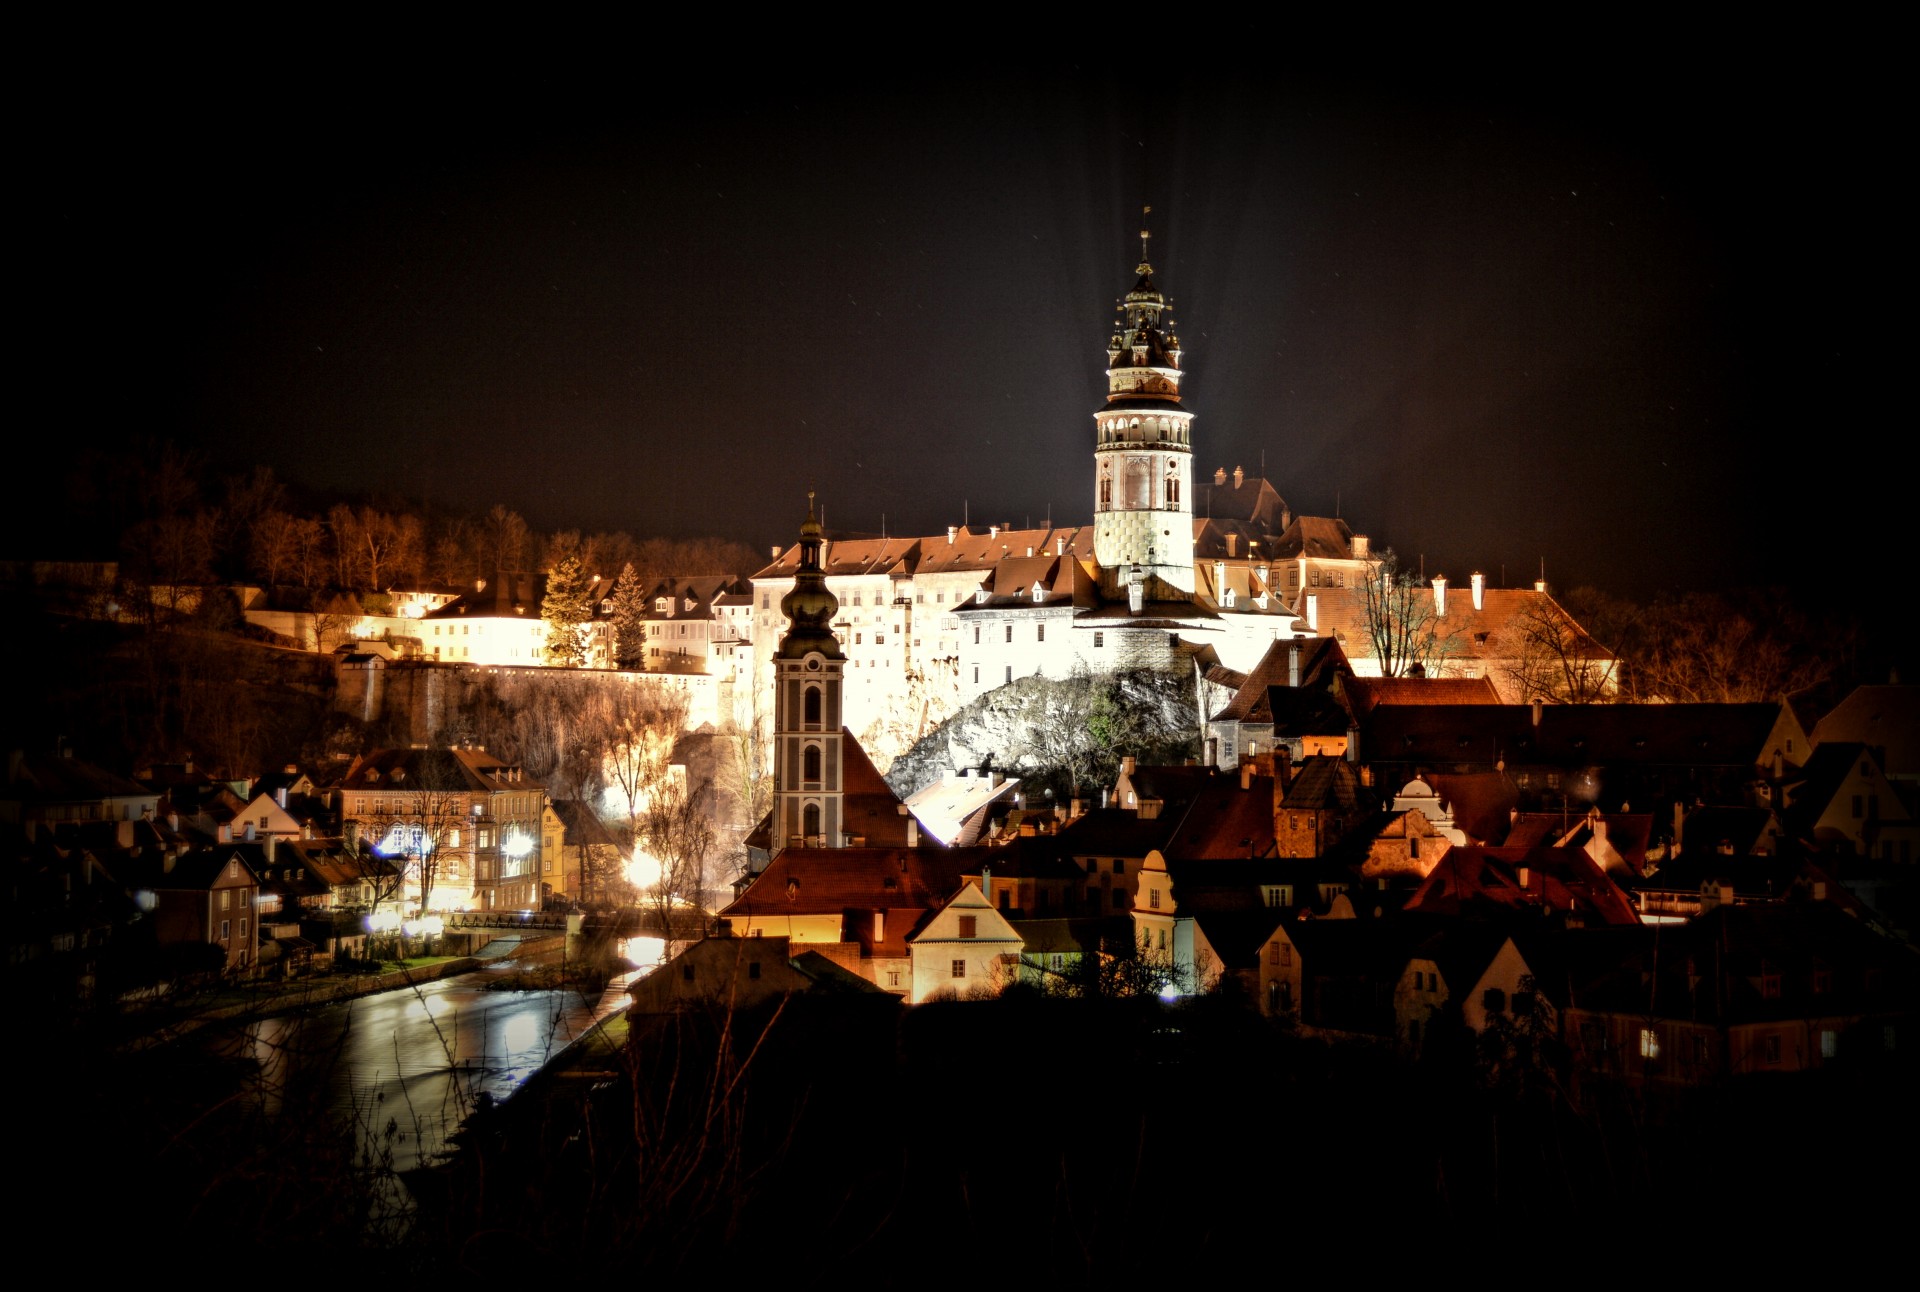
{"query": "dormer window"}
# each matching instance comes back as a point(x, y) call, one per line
point(1039, 593)
point(660, 604)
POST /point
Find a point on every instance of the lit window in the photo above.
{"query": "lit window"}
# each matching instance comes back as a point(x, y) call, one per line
point(1649, 1043)
point(1829, 1039)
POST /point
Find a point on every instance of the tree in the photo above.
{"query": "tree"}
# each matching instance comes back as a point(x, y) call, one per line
point(1709, 647)
point(677, 833)
point(567, 612)
point(1121, 969)
point(1402, 621)
point(1550, 657)
point(629, 620)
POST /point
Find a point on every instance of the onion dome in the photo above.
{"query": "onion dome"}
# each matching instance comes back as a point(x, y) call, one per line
point(809, 605)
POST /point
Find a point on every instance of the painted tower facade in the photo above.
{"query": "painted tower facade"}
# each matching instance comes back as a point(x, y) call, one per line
point(1143, 453)
point(809, 681)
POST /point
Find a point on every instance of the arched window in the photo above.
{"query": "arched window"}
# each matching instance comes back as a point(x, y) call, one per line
point(1173, 484)
point(810, 820)
point(810, 706)
point(1106, 488)
point(1139, 491)
point(810, 764)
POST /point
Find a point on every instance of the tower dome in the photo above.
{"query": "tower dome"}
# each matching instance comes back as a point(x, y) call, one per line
point(809, 605)
point(1143, 450)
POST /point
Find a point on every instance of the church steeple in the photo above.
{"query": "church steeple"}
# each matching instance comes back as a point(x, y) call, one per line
point(809, 679)
point(810, 605)
point(1143, 449)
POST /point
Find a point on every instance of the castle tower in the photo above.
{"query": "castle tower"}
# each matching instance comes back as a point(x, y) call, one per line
point(808, 677)
point(1143, 453)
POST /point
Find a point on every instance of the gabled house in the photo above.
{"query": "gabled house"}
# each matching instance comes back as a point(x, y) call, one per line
point(967, 948)
point(1533, 883)
point(1843, 800)
point(206, 896)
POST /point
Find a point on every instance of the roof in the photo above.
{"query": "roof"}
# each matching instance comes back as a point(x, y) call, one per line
point(1497, 631)
point(1886, 718)
point(582, 825)
point(1364, 693)
point(1533, 881)
point(1684, 735)
point(505, 596)
point(433, 770)
point(1226, 820)
point(1321, 537)
point(1320, 659)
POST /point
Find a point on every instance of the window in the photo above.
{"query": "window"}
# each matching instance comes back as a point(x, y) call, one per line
point(1702, 1049)
point(686, 972)
point(226, 930)
point(969, 926)
point(1494, 1000)
point(879, 639)
point(893, 977)
point(1119, 866)
point(1829, 1039)
point(1153, 898)
point(1771, 1047)
point(1009, 672)
point(810, 763)
point(226, 899)
point(1009, 632)
point(1039, 632)
point(243, 934)
point(1649, 1043)
point(976, 634)
point(959, 968)
point(765, 599)
point(753, 970)
point(810, 706)
point(1119, 898)
point(1099, 640)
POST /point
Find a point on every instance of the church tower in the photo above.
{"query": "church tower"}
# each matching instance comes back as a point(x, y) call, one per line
point(1143, 453)
point(808, 675)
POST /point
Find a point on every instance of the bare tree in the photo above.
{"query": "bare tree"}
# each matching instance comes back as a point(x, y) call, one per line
point(1709, 648)
point(677, 832)
point(1402, 622)
point(1550, 657)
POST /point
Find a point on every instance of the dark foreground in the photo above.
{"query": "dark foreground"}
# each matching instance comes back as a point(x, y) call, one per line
point(842, 1140)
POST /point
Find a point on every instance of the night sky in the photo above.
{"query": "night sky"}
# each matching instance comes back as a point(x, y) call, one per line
point(1621, 311)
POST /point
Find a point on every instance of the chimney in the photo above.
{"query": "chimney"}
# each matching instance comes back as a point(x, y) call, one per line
point(1233, 544)
point(1440, 595)
point(1246, 776)
point(224, 834)
point(1539, 707)
point(1059, 544)
point(879, 927)
point(1360, 547)
point(1238, 477)
point(1219, 578)
point(1219, 475)
point(1523, 875)
point(1313, 612)
point(249, 833)
point(280, 796)
point(273, 846)
point(1293, 665)
point(1353, 742)
point(1479, 591)
point(776, 551)
point(1540, 586)
point(913, 831)
point(953, 532)
point(993, 531)
point(1127, 765)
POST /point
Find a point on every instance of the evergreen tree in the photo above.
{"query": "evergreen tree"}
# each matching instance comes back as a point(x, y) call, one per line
point(629, 620)
point(566, 611)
